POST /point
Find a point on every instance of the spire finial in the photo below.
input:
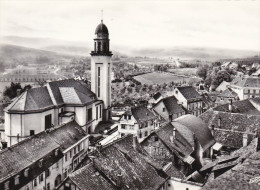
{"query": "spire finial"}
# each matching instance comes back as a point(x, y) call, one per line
point(102, 15)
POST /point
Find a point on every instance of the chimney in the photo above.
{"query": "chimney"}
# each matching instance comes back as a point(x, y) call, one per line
point(174, 133)
point(18, 92)
point(119, 181)
point(213, 130)
point(134, 141)
point(98, 147)
point(245, 137)
point(230, 105)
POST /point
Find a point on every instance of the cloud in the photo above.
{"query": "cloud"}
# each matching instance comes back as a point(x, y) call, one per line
point(229, 24)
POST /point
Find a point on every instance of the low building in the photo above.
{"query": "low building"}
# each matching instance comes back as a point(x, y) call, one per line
point(246, 87)
point(122, 164)
point(223, 86)
point(169, 108)
point(226, 96)
point(42, 161)
point(190, 99)
point(234, 126)
point(236, 171)
point(139, 121)
point(59, 102)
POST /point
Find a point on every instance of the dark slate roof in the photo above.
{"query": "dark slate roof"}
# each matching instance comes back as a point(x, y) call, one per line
point(157, 95)
point(232, 125)
point(247, 82)
point(174, 172)
point(101, 29)
point(189, 92)
point(171, 105)
point(84, 94)
point(134, 164)
point(142, 114)
point(56, 93)
point(21, 155)
point(242, 106)
point(180, 145)
point(247, 168)
point(199, 128)
point(88, 177)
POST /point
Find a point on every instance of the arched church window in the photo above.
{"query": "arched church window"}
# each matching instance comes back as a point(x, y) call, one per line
point(99, 46)
point(95, 46)
point(104, 46)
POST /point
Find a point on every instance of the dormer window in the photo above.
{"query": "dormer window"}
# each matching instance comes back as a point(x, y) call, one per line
point(26, 172)
point(40, 163)
point(16, 180)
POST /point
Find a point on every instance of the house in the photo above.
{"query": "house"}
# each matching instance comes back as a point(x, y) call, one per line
point(59, 102)
point(236, 171)
point(139, 121)
point(246, 87)
point(226, 96)
point(43, 160)
point(190, 99)
point(234, 125)
point(223, 86)
point(203, 138)
point(122, 164)
point(169, 108)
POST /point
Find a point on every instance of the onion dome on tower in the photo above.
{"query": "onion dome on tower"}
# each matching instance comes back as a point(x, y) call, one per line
point(101, 41)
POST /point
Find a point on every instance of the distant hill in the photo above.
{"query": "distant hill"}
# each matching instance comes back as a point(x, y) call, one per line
point(83, 49)
point(195, 53)
point(12, 54)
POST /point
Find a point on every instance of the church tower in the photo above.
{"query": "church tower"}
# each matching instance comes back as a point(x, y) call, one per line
point(101, 68)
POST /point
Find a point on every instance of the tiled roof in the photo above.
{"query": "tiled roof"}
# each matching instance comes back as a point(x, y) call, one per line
point(142, 114)
point(228, 93)
point(232, 126)
point(157, 95)
point(189, 92)
point(174, 172)
point(180, 145)
point(222, 86)
point(247, 82)
point(171, 105)
point(199, 128)
point(239, 176)
point(21, 155)
point(68, 91)
point(242, 106)
point(134, 164)
point(88, 177)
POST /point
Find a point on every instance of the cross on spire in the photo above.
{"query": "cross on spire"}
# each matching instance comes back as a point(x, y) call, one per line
point(102, 15)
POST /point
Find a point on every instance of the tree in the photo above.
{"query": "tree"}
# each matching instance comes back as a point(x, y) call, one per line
point(202, 72)
point(12, 91)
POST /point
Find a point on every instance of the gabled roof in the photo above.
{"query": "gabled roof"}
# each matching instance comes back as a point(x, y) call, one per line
point(242, 106)
point(56, 93)
point(232, 126)
point(88, 177)
point(171, 105)
point(222, 86)
point(134, 164)
point(189, 92)
point(180, 146)
point(142, 114)
point(228, 93)
point(247, 82)
point(239, 177)
point(199, 128)
point(21, 155)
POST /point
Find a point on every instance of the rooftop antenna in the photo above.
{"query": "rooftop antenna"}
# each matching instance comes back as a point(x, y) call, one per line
point(102, 15)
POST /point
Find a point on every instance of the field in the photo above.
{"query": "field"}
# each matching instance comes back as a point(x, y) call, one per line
point(161, 78)
point(184, 71)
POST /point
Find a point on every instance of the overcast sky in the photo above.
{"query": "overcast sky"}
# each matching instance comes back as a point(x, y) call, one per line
point(140, 23)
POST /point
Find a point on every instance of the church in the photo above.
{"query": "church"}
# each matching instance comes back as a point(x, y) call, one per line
point(59, 102)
